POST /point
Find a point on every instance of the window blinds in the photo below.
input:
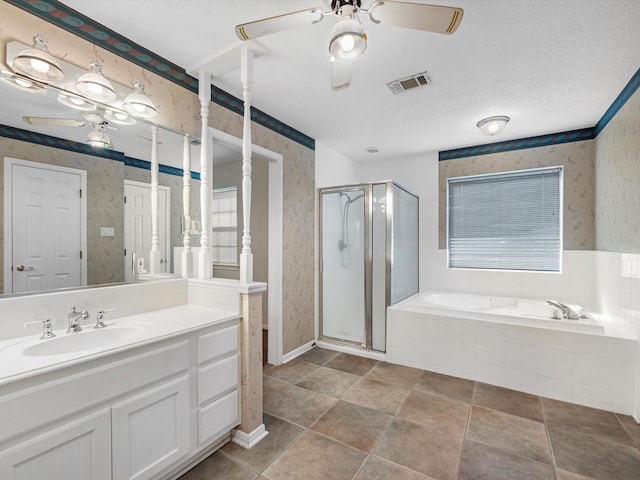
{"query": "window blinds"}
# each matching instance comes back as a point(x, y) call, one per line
point(506, 221)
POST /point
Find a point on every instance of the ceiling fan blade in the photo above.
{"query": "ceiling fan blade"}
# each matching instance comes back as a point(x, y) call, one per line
point(266, 26)
point(419, 16)
point(340, 74)
point(52, 122)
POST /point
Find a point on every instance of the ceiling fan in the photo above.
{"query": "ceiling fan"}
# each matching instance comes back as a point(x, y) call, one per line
point(348, 39)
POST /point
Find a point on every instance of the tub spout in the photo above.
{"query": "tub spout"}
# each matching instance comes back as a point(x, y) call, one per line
point(567, 312)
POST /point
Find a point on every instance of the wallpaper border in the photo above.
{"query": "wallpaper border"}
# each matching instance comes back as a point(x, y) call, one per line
point(68, 19)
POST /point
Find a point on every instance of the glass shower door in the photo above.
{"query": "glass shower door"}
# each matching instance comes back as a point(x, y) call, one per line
point(343, 256)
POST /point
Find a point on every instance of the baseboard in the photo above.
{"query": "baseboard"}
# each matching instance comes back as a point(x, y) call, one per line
point(249, 440)
point(636, 417)
point(287, 357)
point(352, 350)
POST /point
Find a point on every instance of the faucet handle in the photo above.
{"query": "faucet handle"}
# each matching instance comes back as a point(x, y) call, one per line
point(100, 316)
point(47, 328)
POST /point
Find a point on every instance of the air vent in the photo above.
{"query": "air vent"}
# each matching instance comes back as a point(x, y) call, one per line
point(403, 84)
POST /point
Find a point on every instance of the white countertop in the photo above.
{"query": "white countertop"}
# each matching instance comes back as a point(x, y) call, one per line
point(152, 327)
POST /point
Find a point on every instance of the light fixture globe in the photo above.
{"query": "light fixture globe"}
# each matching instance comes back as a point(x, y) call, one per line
point(74, 101)
point(348, 39)
point(37, 63)
point(93, 85)
point(138, 104)
point(98, 137)
point(21, 82)
point(492, 125)
point(119, 117)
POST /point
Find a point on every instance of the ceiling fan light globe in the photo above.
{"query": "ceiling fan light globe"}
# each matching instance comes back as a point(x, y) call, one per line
point(348, 39)
point(98, 137)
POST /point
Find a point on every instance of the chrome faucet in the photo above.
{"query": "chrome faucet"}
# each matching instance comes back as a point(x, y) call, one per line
point(74, 320)
point(567, 311)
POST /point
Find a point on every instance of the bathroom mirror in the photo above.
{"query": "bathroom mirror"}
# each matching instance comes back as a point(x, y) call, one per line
point(106, 175)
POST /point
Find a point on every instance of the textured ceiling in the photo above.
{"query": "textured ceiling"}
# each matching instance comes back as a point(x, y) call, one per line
point(551, 65)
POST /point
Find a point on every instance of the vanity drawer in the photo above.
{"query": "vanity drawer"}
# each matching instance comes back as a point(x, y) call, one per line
point(218, 344)
point(218, 418)
point(218, 378)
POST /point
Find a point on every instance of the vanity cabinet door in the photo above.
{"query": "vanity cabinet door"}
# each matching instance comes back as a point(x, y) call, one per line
point(80, 449)
point(150, 432)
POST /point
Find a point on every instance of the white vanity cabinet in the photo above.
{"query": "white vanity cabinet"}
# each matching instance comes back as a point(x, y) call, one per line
point(142, 413)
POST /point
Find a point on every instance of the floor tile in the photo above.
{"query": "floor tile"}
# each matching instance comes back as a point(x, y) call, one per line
point(631, 426)
point(508, 401)
point(452, 387)
point(318, 356)
point(564, 475)
point(593, 456)
point(299, 405)
point(219, 467)
point(420, 448)
point(376, 468)
point(292, 371)
point(314, 457)
point(394, 374)
point(377, 395)
point(329, 381)
point(586, 420)
point(436, 412)
point(281, 435)
point(480, 461)
point(273, 386)
point(510, 433)
point(357, 426)
point(351, 364)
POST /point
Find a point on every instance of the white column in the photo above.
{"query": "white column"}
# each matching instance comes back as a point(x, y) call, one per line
point(204, 258)
point(246, 75)
point(187, 255)
point(155, 255)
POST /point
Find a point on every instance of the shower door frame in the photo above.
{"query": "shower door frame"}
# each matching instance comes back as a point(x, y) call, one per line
point(367, 263)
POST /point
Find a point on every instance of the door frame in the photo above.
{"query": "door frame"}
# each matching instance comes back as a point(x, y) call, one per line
point(8, 216)
point(167, 233)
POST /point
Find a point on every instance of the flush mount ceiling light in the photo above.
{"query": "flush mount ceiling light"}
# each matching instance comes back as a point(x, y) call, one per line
point(138, 104)
point(348, 39)
point(98, 137)
point(21, 82)
point(492, 125)
point(119, 117)
point(76, 102)
point(37, 63)
point(94, 86)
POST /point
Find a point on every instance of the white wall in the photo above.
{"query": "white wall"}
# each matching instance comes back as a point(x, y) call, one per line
point(333, 169)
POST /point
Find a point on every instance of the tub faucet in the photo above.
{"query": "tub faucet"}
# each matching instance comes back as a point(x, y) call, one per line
point(567, 311)
point(74, 320)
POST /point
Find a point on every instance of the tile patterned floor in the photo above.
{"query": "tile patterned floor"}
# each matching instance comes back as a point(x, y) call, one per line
point(341, 417)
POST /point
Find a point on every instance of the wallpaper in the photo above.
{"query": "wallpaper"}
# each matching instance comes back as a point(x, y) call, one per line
point(617, 201)
point(579, 184)
point(180, 109)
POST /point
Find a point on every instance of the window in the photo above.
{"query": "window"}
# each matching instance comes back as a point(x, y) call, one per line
point(506, 221)
point(224, 237)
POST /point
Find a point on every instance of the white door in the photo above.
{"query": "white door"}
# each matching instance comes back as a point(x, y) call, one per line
point(137, 226)
point(46, 226)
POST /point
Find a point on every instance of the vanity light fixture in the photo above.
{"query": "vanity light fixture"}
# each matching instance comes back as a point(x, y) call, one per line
point(94, 86)
point(21, 82)
point(37, 63)
point(98, 137)
point(138, 104)
point(73, 101)
point(348, 39)
point(492, 125)
point(119, 117)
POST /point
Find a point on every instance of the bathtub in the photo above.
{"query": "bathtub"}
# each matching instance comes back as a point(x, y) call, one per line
point(533, 313)
point(515, 343)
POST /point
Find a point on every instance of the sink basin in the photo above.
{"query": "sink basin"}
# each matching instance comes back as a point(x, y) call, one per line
point(86, 340)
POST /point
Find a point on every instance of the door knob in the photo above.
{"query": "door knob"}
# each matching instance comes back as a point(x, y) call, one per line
point(21, 268)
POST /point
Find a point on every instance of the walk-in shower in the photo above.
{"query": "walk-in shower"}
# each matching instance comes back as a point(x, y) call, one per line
point(368, 259)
